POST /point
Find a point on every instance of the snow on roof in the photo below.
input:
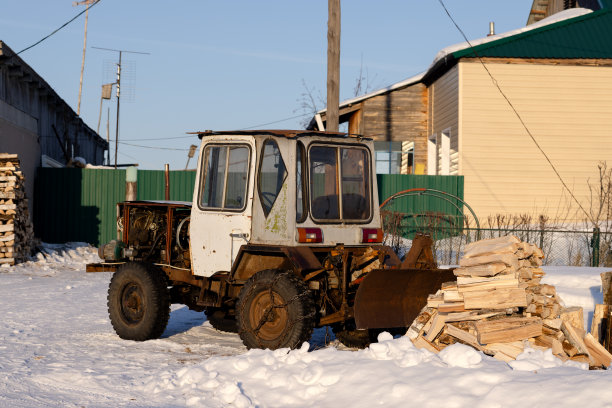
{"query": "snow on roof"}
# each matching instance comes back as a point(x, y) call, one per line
point(406, 82)
point(555, 18)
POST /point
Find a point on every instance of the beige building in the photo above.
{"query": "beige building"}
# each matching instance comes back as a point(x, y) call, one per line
point(556, 75)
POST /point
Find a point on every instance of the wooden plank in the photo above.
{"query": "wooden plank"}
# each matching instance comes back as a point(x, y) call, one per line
point(508, 330)
point(495, 298)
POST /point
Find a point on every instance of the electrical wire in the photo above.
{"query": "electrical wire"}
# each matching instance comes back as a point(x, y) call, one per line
point(277, 121)
point(516, 113)
point(56, 30)
point(152, 147)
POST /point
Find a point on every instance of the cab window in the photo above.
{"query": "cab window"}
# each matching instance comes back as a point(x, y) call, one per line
point(272, 175)
point(224, 183)
point(339, 183)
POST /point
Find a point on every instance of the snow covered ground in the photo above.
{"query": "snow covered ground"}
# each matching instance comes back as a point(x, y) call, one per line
point(58, 349)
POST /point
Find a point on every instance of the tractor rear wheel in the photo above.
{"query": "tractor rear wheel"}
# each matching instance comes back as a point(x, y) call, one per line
point(222, 320)
point(138, 302)
point(275, 309)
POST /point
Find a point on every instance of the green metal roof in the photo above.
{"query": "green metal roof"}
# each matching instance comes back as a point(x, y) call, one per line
point(586, 36)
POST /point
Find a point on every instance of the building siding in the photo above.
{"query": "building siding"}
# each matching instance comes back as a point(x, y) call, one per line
point(566, 108)
point(444, 114)
point(400, 115)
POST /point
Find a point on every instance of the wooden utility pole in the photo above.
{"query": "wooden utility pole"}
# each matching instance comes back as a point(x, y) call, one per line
point(88, 3)
point(333, 65)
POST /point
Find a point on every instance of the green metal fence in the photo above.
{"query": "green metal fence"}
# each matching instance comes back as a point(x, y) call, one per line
point(80, 204)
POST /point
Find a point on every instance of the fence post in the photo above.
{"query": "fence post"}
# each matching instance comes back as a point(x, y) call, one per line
point(595, 246)
point(542, 239)
point(131, 186)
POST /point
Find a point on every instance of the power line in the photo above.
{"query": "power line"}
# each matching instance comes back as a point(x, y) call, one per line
point(277, 121)
point(56, 30)
point(152, 147)
point(516, 112)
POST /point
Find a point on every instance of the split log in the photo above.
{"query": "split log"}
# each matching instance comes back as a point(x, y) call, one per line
point(509, 260)
point(495, 298)
point(463, 336)
point(508, 330)
point(573, 315)
point(599, 325)
point(420, 342)
point(597, 352)
point(490, 269)
point(508, 244)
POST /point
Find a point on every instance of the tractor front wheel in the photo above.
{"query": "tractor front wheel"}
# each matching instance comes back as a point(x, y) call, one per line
point(138, 302)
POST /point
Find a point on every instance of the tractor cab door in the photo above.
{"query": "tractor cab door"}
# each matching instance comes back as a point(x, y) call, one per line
point(222, 203)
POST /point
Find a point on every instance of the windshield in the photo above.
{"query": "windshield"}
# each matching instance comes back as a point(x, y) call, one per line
point(339, 183)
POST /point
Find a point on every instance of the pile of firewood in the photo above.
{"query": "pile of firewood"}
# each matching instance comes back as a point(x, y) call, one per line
point(498, 305)
point(16, 232)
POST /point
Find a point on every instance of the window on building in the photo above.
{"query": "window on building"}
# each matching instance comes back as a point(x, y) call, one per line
point(394, 157)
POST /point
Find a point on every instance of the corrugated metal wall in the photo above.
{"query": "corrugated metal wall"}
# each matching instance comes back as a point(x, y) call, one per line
point(424, 212)
point(77, 204)
point(80, 204)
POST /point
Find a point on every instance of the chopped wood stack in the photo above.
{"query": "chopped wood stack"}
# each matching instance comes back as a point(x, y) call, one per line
point(16, 232)
point(498, 305)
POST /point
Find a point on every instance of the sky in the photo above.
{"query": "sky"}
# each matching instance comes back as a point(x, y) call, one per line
point(227, 65)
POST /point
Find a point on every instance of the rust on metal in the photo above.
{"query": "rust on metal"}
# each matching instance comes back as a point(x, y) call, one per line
point(420, 255)
point(390, 298)
point(103, 267)
point(302, 257)
point(290, 134)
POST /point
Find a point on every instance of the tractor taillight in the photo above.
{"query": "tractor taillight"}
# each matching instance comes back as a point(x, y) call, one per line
point(371, 235)
point(310, 235)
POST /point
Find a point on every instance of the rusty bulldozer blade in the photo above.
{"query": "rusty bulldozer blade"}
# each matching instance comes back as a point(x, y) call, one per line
point(389, 298)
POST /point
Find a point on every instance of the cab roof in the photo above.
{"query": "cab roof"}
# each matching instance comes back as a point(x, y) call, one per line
point(290, 134)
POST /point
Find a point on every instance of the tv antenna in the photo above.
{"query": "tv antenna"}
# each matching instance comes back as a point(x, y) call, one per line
point(118, 88)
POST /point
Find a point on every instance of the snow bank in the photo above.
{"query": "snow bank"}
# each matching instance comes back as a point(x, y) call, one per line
point(57, 349)
point(391, 372)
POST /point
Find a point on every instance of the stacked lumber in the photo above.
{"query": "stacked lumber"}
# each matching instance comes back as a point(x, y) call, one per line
point(498, 305)
point(16, 232)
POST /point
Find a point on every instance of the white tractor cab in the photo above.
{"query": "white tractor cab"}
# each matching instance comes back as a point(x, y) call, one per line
point(281, 188)
point(283, 235)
